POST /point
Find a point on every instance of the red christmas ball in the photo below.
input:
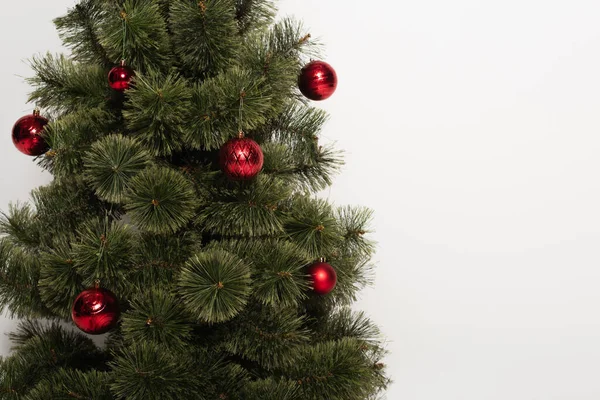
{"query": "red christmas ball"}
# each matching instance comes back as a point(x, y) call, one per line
point(241, 159)
point(317, 80)
point(323, 277)
point(95, 311)
point(119, 78)
point(27, 134)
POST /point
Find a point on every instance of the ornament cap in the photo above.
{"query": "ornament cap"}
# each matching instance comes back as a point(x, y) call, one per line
point(241, 134)
point(36, 112)
point(97, 284)
point(123, 63)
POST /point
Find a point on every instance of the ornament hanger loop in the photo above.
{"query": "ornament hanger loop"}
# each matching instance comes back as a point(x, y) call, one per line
point(241, 115)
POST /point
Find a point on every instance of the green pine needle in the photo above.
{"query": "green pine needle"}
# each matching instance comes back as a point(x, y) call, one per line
point(112, 163)
point(102, 251)
point(157, 316)
point(161, 200)
point(215, 286)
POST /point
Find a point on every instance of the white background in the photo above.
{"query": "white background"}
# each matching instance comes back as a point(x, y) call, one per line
point(472, 128)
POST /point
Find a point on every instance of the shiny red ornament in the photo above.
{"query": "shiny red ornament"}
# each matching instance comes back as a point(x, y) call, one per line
point(241, 158)
point(323, 277)
point(27, 134)
point(95, 311)
point(119, 78)
point(317, 80)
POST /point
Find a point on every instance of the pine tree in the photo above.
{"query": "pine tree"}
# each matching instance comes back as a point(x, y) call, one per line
point(210, 272)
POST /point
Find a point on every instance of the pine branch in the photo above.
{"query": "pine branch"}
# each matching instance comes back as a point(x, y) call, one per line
point(70, 136)
point(214, 286)
point(246, 210)
point(78, 30)
point(205, 35)
point(158, 258)
point(313, 226)
point(59, 282)
point(157, 316)
point(67, 384)
point(62, 85)
point(341, 369)
point(254, 14)
point(62, 206)
point(156, 110)
point(41, 350)
point(272, 389)
point(355, 224)
point(19, 272)
point(215, 111)
point(161, 200)
point(19, 227)
point(146, 44)
point(278, 277)
point(151, 372)
point(276, 56)
point(112, 163)
point(310, 171)
point(101, 251)
point(271, 337)
point(347, 323)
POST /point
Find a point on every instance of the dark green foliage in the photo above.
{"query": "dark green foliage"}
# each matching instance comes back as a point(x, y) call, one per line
point(69, 138)
point(59, 282)
point(211, 274)
point(355, 225)
point(215, 286)
point(63, 85)
point(312, 225)
point(279, 277)
point(157, 316)
point(146, 40)
point(78, 31)
point(156, 112)
point(215, 112)
point(101, 252)
point(295, 135)
point(329, 370)
point(161, 200)
point(41, 351)
point(111, 163)
point(246, 211)
point(67, 384)
point(252, 14)
point(158, 258)
point(348, 323)
point(204, 34)
point(19, 274)
point(62, 206)
point(269, 337)
point(146, 371)
point(271, 389)
point(18, 225)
